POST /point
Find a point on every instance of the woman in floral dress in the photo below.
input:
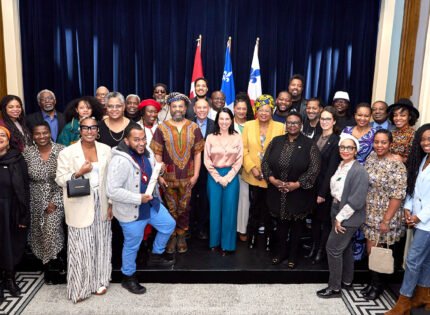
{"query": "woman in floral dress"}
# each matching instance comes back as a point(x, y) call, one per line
point(387, 189)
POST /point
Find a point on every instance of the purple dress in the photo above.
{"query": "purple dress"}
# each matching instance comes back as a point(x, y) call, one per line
point(366, 143)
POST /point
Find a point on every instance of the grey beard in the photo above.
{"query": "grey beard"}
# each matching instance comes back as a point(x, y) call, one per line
point(178, 119)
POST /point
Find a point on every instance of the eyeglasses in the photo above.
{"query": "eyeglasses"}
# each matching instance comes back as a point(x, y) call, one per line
point(48, 98)
point(88, 128)
point(159, 92)
point(114, 106)
point(346, 148)
point(293, 123)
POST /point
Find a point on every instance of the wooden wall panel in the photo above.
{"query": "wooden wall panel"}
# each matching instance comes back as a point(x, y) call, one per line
point(3, 85)
point(411, 18)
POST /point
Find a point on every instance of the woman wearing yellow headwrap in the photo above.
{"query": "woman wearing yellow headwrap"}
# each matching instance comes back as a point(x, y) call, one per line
point(257, 134)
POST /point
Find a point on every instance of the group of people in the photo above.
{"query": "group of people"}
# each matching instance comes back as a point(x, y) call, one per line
point(195, 168)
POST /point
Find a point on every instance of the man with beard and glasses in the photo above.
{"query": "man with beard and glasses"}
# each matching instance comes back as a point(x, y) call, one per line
point(132, 112)
point(295, 87)
point(178, 143)
point(283, 106)
point(380, 116)
point(159, 92)
point(55, 119)
point(201, 91)
point(128, 177)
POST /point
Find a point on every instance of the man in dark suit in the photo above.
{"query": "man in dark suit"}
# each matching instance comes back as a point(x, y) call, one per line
point(55, 119)
point(199, 215)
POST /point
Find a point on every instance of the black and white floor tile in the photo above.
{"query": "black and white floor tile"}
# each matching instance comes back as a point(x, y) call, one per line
point(358, 305)
point(30, 283)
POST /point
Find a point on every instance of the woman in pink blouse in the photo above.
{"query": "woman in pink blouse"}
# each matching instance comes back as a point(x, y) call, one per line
point(223, 159)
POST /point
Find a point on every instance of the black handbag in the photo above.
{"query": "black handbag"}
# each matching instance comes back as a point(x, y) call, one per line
point(78, 187)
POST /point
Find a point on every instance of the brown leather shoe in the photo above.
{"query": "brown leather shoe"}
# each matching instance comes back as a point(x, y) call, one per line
point(182, 244)
point(171, 245)
point(243, 237)
point(402, 307)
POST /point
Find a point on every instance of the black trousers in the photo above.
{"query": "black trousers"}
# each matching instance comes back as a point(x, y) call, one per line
point(258, 211)
point(292, 230)
point(199, 203)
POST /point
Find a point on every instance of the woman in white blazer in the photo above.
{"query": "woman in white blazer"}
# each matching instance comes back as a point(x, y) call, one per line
point(88, 217)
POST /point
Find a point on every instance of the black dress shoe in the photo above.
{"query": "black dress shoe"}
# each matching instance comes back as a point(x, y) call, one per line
point(374, 293)
point(202, 235)
point(9, 283)
point(366, 290)
point(161, 260)
point(1, 293)
point(131, 284)
point(328, 293)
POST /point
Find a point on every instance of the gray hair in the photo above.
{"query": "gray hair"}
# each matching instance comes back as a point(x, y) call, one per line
point(115, 94)
point(44, 91)
point(133, 95)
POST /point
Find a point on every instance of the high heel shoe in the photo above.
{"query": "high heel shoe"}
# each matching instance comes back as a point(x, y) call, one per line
point(267, 243)
point(252, 241)
point(366, 290)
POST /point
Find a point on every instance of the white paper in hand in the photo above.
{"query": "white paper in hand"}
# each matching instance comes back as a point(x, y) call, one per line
point(154, 178)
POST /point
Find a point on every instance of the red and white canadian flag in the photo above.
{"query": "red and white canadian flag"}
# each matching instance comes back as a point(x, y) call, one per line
point(198, 67)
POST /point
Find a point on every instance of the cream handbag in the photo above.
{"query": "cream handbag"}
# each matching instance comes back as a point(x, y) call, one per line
point(381, 259)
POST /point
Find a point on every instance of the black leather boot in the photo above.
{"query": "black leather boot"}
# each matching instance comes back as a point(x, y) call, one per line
point(10, 284)
point(1, 292)
point(312, 252)
point(320, 256)
point(377, 287)
point(366, 289)
point(132, 285)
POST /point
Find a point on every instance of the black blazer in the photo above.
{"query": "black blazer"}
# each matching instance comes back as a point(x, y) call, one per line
point(300, 200)
point(190, 109)
point(210, 128)
point(330, 160)
point(37, 118)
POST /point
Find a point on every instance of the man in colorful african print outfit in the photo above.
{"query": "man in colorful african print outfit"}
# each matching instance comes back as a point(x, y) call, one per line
point(178, 143)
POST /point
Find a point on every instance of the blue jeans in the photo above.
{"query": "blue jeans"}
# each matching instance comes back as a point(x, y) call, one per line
point(417, 264)
point(133, 232)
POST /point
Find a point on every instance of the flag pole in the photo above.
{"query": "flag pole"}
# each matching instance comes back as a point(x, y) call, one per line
point(229, 42)
point(258, 41)
point(199, 40)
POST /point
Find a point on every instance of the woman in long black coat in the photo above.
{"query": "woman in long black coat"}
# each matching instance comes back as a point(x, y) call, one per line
point(290, 166)
point(14, 211)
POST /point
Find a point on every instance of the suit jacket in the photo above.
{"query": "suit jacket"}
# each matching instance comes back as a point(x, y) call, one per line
point(210, 128)
point(37, 118)
point(354, 194)
point(330, 160)
point(252, 148)
point(80, 210)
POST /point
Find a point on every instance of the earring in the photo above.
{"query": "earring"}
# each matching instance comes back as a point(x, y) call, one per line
point(98, 136)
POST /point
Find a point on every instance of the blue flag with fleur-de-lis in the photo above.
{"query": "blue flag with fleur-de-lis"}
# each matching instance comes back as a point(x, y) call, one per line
point(227, 85)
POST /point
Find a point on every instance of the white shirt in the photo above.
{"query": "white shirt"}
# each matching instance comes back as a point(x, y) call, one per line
point(419, 203)
point(337, 184)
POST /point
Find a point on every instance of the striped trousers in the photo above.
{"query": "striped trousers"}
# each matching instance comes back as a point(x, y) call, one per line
point(89, 256)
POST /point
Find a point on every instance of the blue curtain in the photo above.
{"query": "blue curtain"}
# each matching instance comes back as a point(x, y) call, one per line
point(73, 46)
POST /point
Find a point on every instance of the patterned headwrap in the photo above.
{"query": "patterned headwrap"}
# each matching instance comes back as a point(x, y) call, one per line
point(264, 99)
point(176, 96)
point(7, 132)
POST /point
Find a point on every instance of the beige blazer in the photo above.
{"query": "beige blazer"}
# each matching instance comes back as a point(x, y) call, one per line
point(252, 150)
point(79, 211)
